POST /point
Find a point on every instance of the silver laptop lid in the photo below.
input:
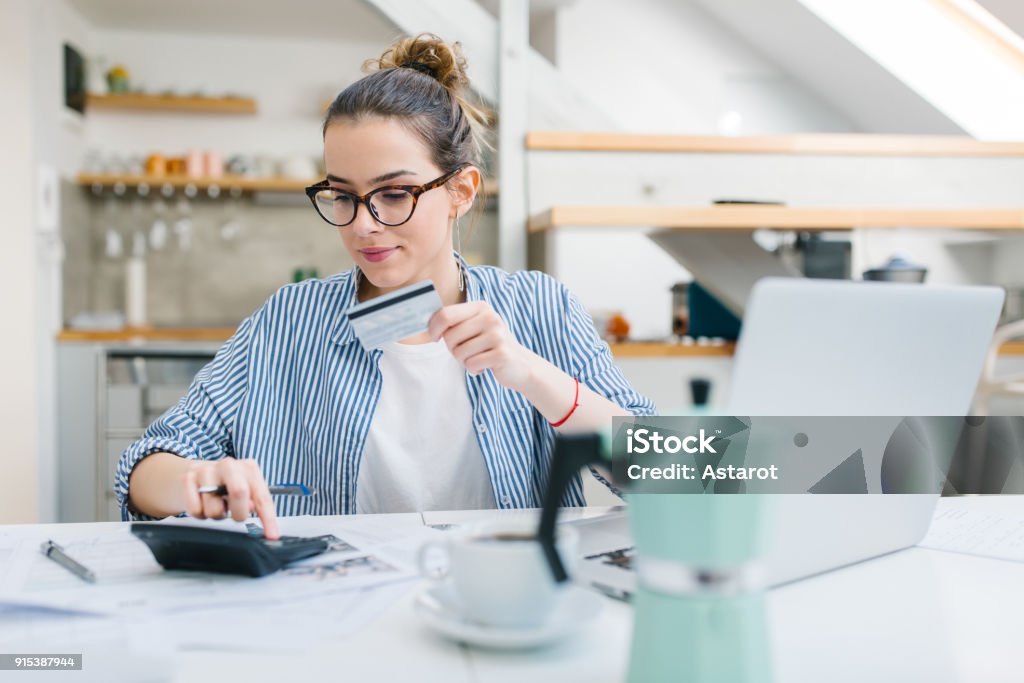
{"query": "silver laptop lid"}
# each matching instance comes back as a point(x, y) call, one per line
point(824, 347)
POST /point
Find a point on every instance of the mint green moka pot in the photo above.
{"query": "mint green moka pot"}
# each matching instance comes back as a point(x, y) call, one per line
point(699, 607)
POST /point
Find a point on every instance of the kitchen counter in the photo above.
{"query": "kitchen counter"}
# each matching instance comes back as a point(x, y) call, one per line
point(629, 349)
point(148, 334)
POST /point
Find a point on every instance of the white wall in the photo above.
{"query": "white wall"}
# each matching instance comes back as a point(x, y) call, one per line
point(670, 67)
point(661, 67)
point(19, 393)
point(290, 78)
point(59, 137)
point(808, 49)
point(57, 140)
point(1007, 263)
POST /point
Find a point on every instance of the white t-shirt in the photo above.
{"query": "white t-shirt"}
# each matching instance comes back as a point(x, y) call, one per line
point(422, 451)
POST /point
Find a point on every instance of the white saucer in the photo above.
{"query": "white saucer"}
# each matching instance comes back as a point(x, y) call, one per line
point(437, 607)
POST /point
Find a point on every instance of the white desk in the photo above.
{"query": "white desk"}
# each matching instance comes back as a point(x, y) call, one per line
point(914, 615)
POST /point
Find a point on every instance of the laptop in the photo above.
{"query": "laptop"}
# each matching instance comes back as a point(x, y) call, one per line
point(835, 348)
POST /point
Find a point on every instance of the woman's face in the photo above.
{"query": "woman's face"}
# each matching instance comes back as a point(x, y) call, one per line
point(363, 155)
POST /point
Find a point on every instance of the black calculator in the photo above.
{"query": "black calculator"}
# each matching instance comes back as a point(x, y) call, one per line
point(228, 552)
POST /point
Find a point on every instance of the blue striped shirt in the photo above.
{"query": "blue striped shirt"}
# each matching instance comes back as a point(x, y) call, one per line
point(294, 390)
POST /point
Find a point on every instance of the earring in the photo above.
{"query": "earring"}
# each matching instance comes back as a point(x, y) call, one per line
point(458, 250)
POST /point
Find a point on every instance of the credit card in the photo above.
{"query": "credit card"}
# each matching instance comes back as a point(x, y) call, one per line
point(394, 316)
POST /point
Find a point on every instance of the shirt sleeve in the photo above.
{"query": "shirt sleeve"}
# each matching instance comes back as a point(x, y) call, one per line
point(200, 426)
point(592, 363)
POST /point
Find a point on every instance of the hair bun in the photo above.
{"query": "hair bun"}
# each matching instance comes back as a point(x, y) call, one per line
point(429, 55)
point(422, 68)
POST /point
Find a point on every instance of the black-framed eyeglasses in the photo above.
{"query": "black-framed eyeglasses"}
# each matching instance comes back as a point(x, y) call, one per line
point(391, 205)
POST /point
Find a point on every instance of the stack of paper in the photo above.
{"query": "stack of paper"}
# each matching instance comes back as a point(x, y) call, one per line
point(324, 597)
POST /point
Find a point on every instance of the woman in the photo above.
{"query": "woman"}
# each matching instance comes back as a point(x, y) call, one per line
point(461, 416)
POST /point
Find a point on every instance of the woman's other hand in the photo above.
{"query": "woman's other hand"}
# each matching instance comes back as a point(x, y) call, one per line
point(480, 340)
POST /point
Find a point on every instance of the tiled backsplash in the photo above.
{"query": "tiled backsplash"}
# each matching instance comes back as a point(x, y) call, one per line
point(215, 282)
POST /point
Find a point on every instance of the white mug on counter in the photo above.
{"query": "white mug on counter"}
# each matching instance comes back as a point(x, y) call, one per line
point(498, 571)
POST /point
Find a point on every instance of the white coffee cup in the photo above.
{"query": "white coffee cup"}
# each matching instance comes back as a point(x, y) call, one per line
point(498, 570)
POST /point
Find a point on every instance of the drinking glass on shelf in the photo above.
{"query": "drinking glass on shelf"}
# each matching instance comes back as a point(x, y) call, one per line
point(158, 230)
point(232, 224)
point(113, 243)
point(94, 162)
point(136, 164)
point(136, 218)
point(117, 164)
point(183, 224)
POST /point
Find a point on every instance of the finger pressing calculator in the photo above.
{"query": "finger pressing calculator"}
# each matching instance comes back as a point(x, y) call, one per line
point(227, 552)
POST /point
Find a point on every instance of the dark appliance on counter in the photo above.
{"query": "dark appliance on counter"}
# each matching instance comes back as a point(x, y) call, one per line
point(824, 259)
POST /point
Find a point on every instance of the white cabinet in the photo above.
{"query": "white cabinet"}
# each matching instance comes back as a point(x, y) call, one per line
point(108, 395)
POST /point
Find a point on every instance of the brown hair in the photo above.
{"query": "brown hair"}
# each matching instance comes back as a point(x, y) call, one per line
point(420, 81)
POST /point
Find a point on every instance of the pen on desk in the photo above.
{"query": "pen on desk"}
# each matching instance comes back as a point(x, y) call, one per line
point(279, 490)
point(57, 554)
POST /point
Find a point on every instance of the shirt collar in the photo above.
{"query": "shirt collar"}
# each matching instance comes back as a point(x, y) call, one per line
point(343, 332)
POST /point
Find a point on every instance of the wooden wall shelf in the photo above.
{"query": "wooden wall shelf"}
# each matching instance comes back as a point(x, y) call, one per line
point(224, 182)
point(149, 334)
point(171, 103)
point(654, 349)
point(854, 144)
point(779, 217)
